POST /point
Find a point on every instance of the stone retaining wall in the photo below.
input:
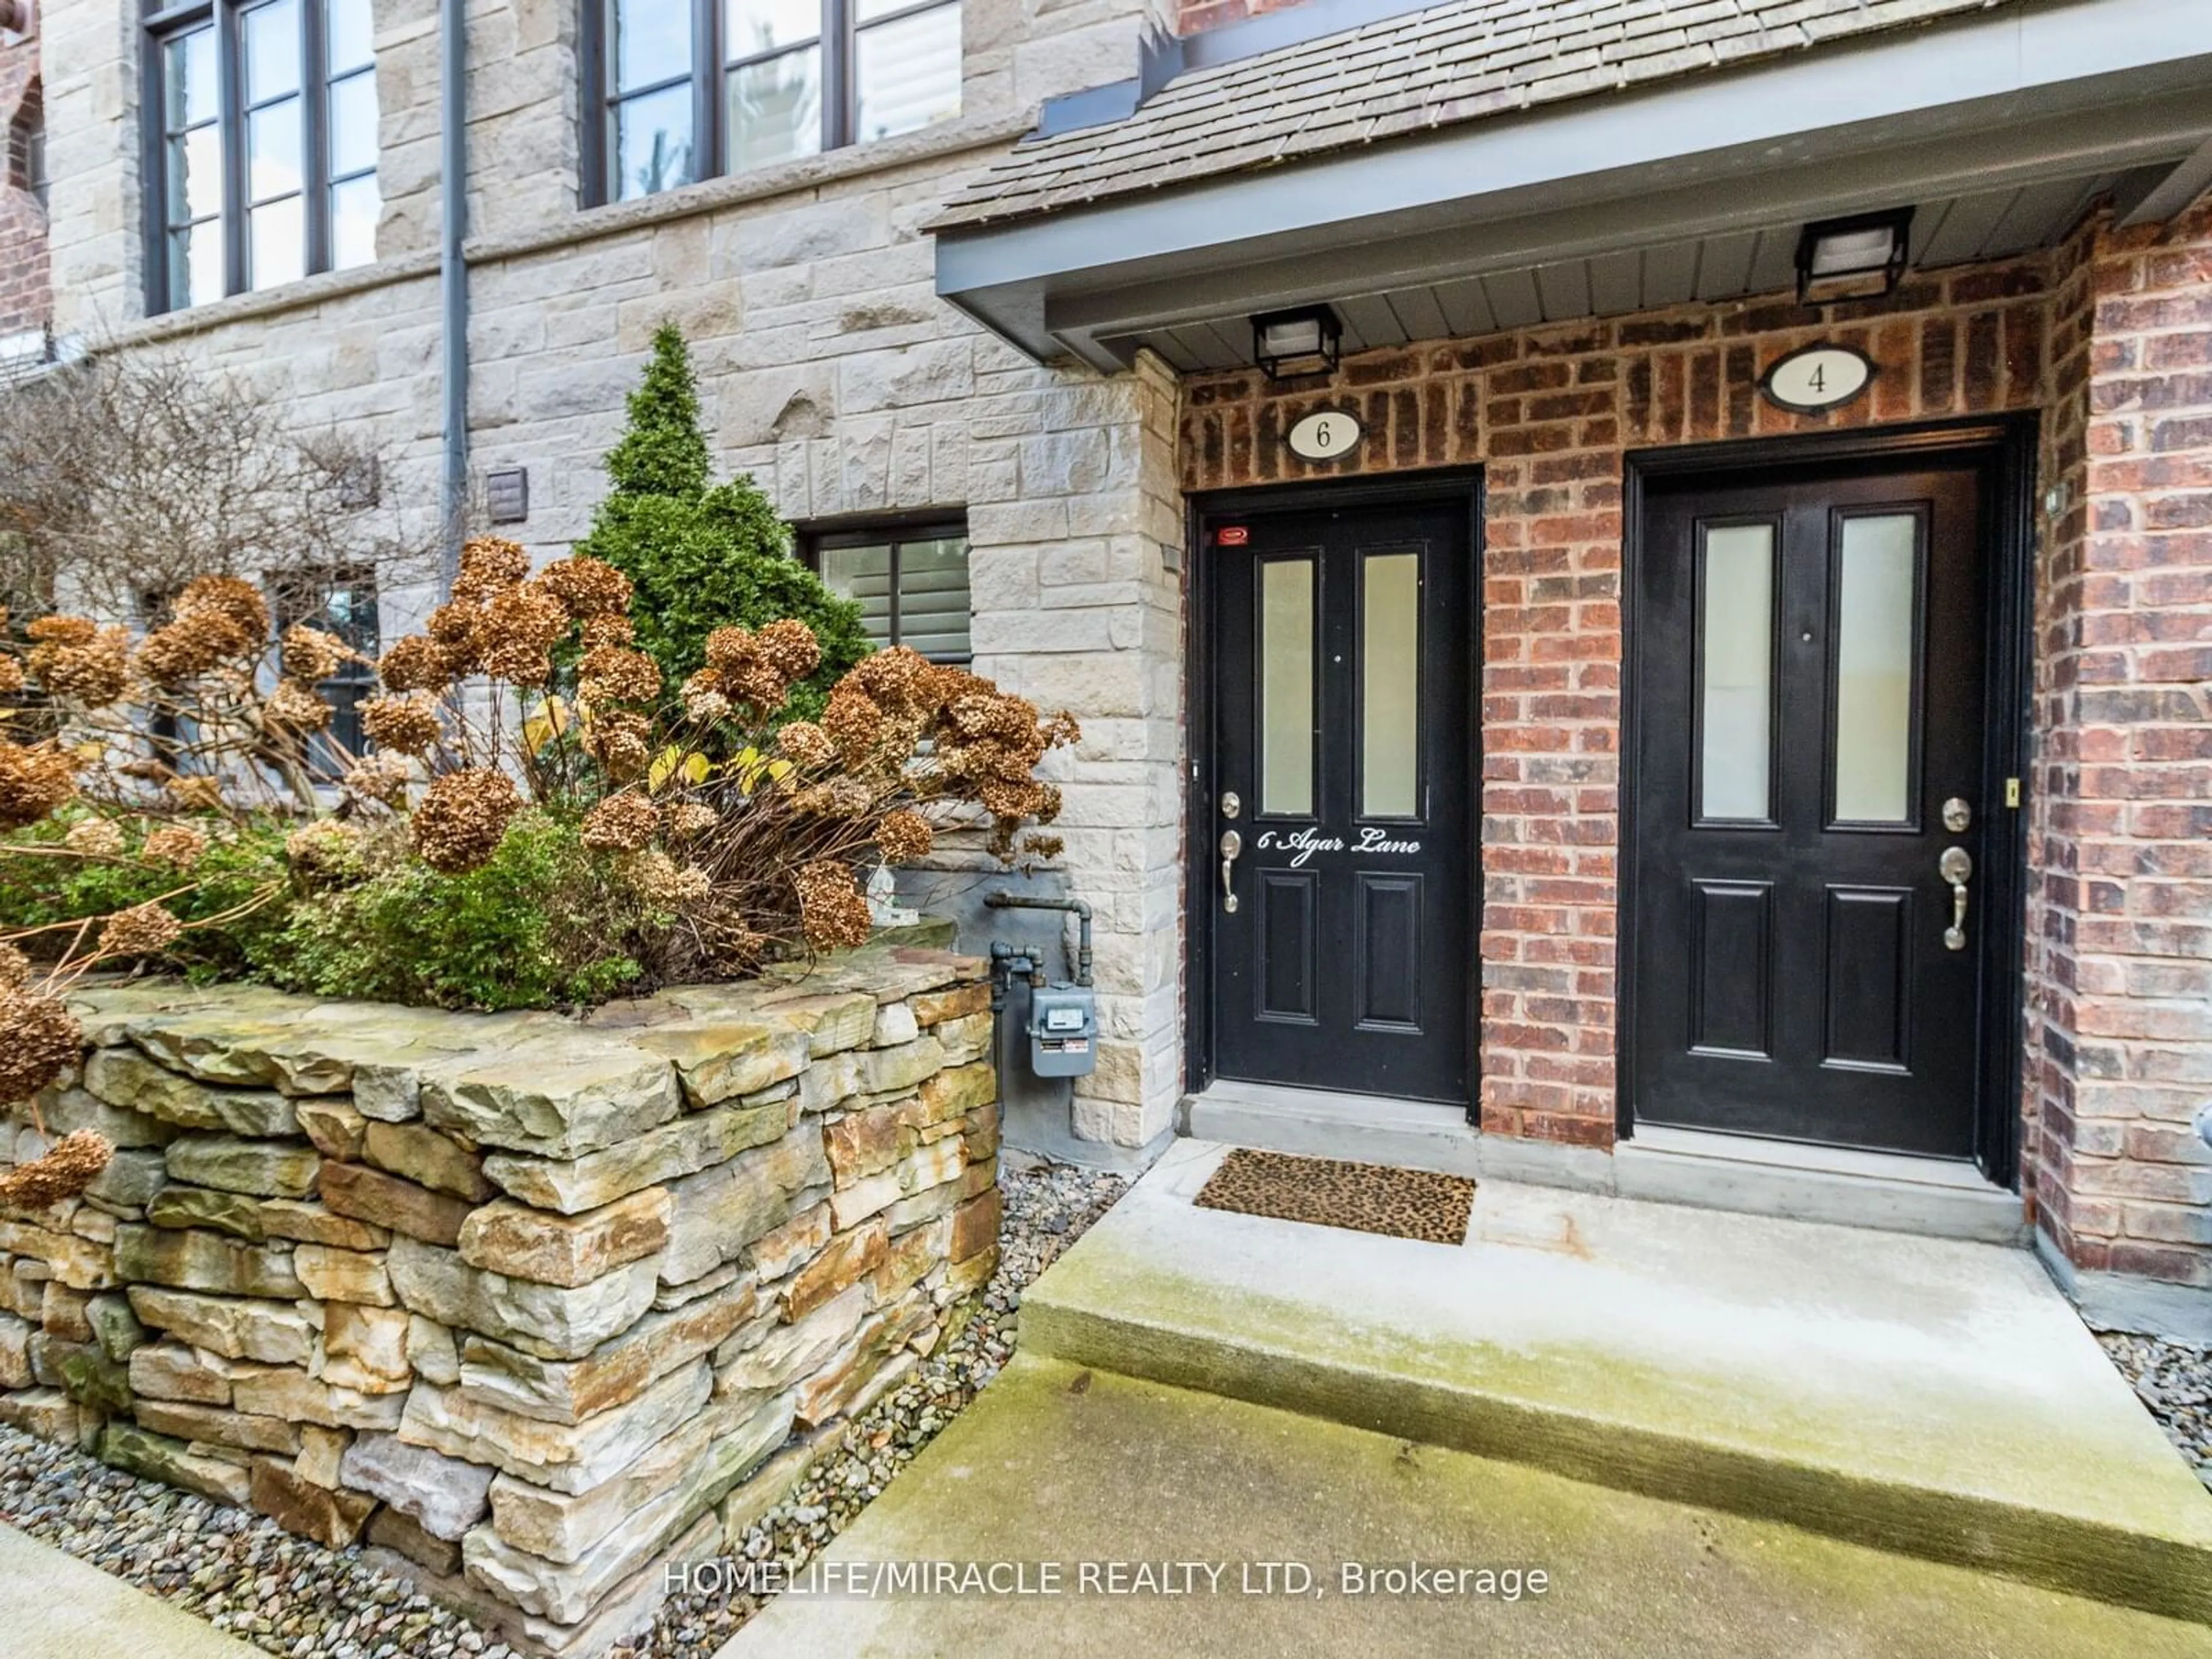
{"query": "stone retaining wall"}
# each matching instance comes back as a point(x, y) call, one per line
point(536, 1304)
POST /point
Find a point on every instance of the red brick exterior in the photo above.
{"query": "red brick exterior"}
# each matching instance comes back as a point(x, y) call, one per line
point(1195, 16)
point(1550, 413)
point(26, 302)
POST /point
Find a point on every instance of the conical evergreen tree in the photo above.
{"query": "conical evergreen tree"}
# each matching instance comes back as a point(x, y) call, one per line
point(704, 555)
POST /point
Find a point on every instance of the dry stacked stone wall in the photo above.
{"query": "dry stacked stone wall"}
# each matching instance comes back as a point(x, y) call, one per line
point(536, 1304)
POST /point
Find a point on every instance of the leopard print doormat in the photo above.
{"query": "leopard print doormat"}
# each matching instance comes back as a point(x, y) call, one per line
point(1368, 1198)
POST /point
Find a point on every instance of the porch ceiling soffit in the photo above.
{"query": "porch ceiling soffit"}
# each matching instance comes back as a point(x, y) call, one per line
point(2029, 97)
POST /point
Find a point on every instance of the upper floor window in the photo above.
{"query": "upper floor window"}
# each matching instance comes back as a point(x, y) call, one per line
point(718, 86)
point(263, 138)
point(910, 582)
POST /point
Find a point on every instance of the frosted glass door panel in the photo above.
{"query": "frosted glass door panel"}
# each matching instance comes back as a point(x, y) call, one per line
point(1390, 685)
point(1286, 687)
point(1877, 580)
point(1736, 691)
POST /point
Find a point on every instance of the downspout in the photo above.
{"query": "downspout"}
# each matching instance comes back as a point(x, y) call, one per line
point(453, 277)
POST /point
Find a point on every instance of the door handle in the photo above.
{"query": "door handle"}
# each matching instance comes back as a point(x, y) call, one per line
point(1231, 845)
point(1957, 867)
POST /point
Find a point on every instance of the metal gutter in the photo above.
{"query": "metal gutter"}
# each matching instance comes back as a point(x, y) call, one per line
point(453, 275)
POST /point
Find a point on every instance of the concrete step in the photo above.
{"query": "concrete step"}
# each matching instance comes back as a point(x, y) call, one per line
point(1058, 1476)
point(1930, 1397)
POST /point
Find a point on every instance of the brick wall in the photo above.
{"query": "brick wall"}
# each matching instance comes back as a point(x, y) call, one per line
point(25, 297)
point(2120, 943)
point(1195, 16)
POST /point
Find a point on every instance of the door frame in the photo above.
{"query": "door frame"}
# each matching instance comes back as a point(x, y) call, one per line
point(1457, 486)
point(2005, 447)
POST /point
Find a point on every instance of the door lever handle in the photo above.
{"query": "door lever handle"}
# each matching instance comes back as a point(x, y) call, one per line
point(1231, 845)
point(1957, 867)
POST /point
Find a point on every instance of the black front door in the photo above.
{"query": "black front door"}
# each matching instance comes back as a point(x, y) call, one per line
point(1334, 842)
point(1811, 806)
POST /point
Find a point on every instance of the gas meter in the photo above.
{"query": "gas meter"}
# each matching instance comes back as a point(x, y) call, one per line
point(1063, 1030)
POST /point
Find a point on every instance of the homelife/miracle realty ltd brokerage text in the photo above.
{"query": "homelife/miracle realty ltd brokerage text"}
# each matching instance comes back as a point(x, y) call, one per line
point(869, 1579)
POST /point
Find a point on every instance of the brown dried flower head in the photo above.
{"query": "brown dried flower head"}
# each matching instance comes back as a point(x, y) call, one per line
point(98, 838)
point(789, 648)
point(61, 630)
point(407, 725)
point(70, 1166)
point(518, 628)
point(143, 929)
point(15, 969)
point(322, 845)
point(231, 597)
point(94, 673)
point(687, 820)
point(853, 721)
point(490, 566)
point(12, 677)
point(35, 779)
point(833, 912)
point(616, 674)
point(194, 644)
point(903, 836)
point(417, 663)
point(462, 817)
point(703, 700)
point(587, 588)
point(199, 792)
point(806, 744)
point(836, 798)
point(312, 655)
point(621, 824)
point(39, 1040)
point(295, 705)
point(182, 845)
point(598, 631)
point(621, 740)
point(383, 778)
point(659, 880)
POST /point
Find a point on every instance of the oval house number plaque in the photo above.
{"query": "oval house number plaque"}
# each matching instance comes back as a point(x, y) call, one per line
point(1325, 437)
point(1818, 377)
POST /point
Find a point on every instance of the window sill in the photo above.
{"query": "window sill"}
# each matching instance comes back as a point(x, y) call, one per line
point(934, 143)
point(286, 296)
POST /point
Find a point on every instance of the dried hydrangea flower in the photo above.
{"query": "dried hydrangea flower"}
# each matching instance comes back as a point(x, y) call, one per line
point(598, 631)
point(833, 912)
point(621, 824)
point(903, 836)
point(192, 646)
point(179, 844)
point(689, 819)
point(407, 725)
point(324, 845)
point(231, 597)
point(297, 706)
point(621, 740)
point(15, 969)
point(94, 673)
point(61, 630)
point(12, 677)
point(789, 648)
point(489, 565)
point(587, 588)
point(616, 674)
point(68, 1168)
point(383, 778)
point(837, 798)
point(855, 721)
point(98, 838)
point(462, 819)
point(416, 663)
point(35, 779)
point(312, 655)
point(1043, 846)
point(806, 744)
point(703, 700)
point(199, 792)
point(40, 1040)
point(143, 929)
point(659, 880)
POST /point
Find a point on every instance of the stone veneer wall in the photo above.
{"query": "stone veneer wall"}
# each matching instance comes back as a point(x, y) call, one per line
point(532, 1303)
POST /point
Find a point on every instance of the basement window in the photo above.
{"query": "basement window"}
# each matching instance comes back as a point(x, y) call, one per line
point(909, 580)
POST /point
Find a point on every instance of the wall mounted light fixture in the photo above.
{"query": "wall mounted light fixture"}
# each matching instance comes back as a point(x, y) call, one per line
point(1290, 343)
point(1855, 258)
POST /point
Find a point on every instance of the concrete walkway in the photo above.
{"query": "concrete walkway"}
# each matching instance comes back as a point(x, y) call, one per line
point(53, 1606)
point(1055, 1465)
point(1926, 1396)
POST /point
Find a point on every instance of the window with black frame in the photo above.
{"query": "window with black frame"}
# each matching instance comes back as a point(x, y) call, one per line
point(342, 602)
point(262, 134)
point(723, 86)
point(910, 582)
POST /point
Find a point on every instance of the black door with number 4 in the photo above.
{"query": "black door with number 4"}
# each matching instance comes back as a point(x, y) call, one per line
point(1810, 794)
point(1335, 838)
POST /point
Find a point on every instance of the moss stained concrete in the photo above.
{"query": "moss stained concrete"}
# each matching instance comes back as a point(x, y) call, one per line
point(1927, 1396)
point(1057, 1463)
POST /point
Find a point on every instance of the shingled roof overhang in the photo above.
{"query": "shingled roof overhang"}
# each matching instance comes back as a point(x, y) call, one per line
point(2000, 122)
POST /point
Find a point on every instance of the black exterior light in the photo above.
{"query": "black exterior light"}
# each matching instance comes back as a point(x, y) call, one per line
point(1853, 258)
point(1290, 343)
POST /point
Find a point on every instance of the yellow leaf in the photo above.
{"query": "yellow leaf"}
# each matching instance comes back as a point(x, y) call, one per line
point(89, 754)
point(548, 723)
point(664, 764)
point(696, 768)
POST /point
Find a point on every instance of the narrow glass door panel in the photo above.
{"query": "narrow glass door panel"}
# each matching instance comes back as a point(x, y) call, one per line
point(1877, 583)
point(1287, 687)
point(1735, 680)
point(1390, 685)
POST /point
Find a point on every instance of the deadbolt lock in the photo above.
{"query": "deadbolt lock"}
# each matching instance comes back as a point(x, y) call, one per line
point(1232, 803)
point(1957, 815)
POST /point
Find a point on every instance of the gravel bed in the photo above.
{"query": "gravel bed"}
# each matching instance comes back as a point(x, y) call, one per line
point(2175, 1382)
point(246, 1575)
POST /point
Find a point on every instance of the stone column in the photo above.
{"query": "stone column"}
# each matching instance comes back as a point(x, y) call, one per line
point(1075, 608)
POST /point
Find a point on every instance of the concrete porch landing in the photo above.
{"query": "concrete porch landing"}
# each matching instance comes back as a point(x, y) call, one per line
point(1930, 1397)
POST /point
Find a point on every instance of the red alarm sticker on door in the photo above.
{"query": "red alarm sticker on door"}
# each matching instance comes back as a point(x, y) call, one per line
point(1231, 535)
